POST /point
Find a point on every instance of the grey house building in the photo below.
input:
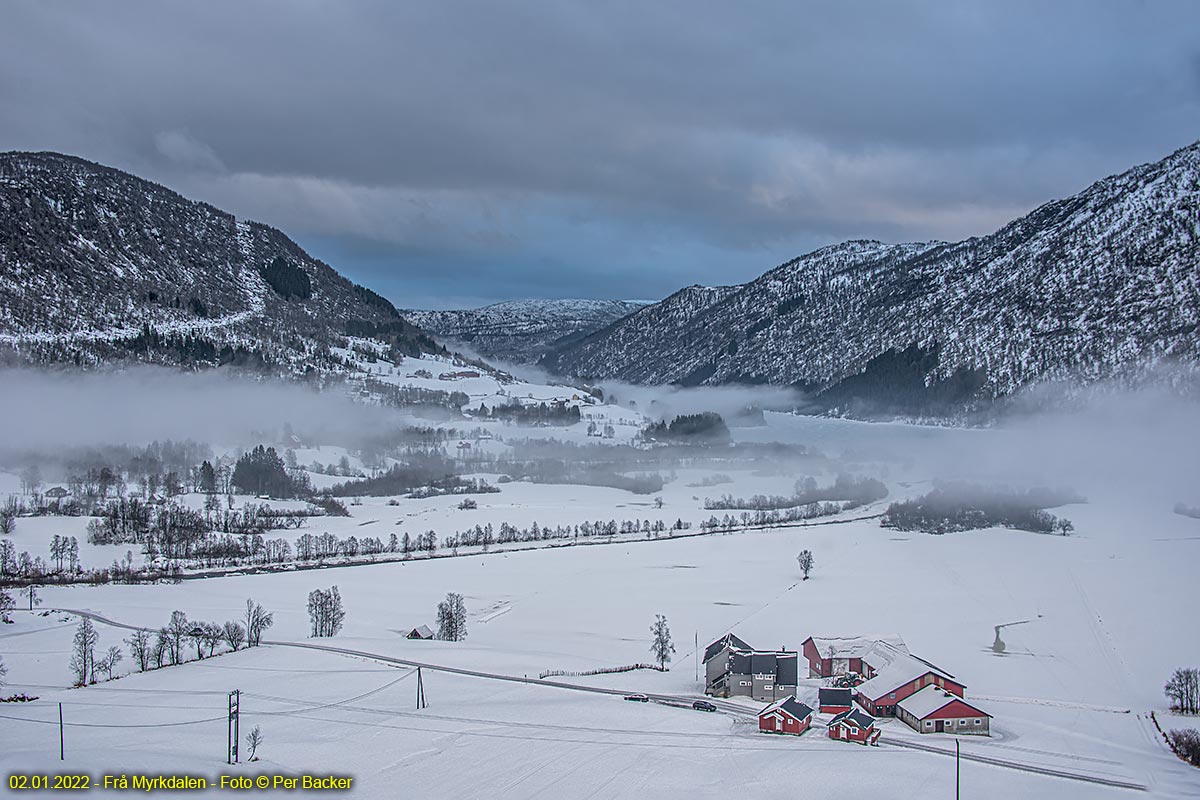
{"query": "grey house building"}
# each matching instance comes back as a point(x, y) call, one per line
point(732, 668)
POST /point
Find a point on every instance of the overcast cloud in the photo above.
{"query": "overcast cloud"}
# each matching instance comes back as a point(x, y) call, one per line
point(459, 153)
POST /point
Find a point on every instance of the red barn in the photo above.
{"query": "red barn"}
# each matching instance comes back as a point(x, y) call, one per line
point(934, 710)
point(838, 655)
point(788, 715)
point(905, 676)
point(854, 726)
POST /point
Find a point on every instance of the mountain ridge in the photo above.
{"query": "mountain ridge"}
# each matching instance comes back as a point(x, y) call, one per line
point(1090, 287)
point(99, 265)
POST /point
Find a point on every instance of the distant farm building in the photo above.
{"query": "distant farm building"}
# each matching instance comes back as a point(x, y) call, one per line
point(733, 668)
point(834, 701)
point(788, 715)
point(854, 726)
point(420, 632)
point(453, 376)
point(57, 493)
point(934, 710)
point(829, 657)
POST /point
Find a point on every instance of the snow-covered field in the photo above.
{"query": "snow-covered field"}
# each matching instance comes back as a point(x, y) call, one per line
point(1072, 693)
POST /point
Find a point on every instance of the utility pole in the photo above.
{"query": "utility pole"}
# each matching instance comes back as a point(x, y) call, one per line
point(61, 742)
point(235, 712)
point(421, 691)
point(957, 768)
point(696, 650)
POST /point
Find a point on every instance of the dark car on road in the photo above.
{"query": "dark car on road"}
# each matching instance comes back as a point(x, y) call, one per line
point(637, 698)
point(703, 705)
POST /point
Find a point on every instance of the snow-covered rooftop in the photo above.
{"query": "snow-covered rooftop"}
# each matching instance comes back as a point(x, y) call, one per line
point(923, 703)
point(854, 646)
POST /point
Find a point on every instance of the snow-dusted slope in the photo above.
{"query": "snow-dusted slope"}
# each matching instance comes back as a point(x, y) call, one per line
point(98, 265)
point(523, 330)
point(1103, 284)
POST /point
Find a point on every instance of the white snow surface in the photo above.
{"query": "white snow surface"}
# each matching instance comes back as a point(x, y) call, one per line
point(1072, 692)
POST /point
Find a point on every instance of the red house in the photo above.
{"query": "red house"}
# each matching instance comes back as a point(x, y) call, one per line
point(903, 677)
point(835, 701)
point(788, 715)
point(854, 726)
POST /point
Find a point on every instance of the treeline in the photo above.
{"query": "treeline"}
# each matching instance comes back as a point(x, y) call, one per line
point(707, 427)
point(485, 535)
point(419, 469)
point(539, 416)
point(855, 491)
point(962, 507)
point(168, 645)
point(767, 518)
point(262, 472)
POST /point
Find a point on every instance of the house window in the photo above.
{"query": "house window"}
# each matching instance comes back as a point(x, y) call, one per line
point(854, 731)
point(928, 723)
point(978, 721)
point(767, 688)
point(743, 683)
point(892, 696)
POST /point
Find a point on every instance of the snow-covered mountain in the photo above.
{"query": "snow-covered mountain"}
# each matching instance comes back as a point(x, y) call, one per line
point(523, 331)
point(1104, 284)
point(97, 266)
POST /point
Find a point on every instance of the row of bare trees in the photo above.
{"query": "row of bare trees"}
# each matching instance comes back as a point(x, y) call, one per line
point(169, 645)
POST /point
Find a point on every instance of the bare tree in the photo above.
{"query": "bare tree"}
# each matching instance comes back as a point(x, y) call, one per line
point(31, 479)
point(452, 618)
point(177, 629)
point(805, 560)
point(108, 662)
point(3, 671)
point(325, 611)
point(140, 648)
point(258, 620)
point(8, 522)
point(254, 740)
point(31, 591)
point(234, 634)
point(162, 647)
point(213, 635)
point(661, 647)
point(83, 653)
point(1183, 690)
point(7, 604)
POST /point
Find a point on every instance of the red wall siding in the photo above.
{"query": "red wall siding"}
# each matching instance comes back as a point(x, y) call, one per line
point(955, 710)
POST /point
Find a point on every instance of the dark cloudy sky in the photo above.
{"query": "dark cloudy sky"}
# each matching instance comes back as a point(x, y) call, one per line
point(455, 153)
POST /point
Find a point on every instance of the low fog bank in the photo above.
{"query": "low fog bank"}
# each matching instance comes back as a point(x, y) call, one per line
point(46, 409)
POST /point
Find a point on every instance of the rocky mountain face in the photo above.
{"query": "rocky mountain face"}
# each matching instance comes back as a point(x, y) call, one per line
point(97, 266)
point(523, 331)
point(1099, 286)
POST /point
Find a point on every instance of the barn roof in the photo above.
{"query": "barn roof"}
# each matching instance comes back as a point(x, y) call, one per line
point(930, 699)
point(789, 705)
point(420, 632)
point(835, 696)
point(853, 646)
point(903, 669)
